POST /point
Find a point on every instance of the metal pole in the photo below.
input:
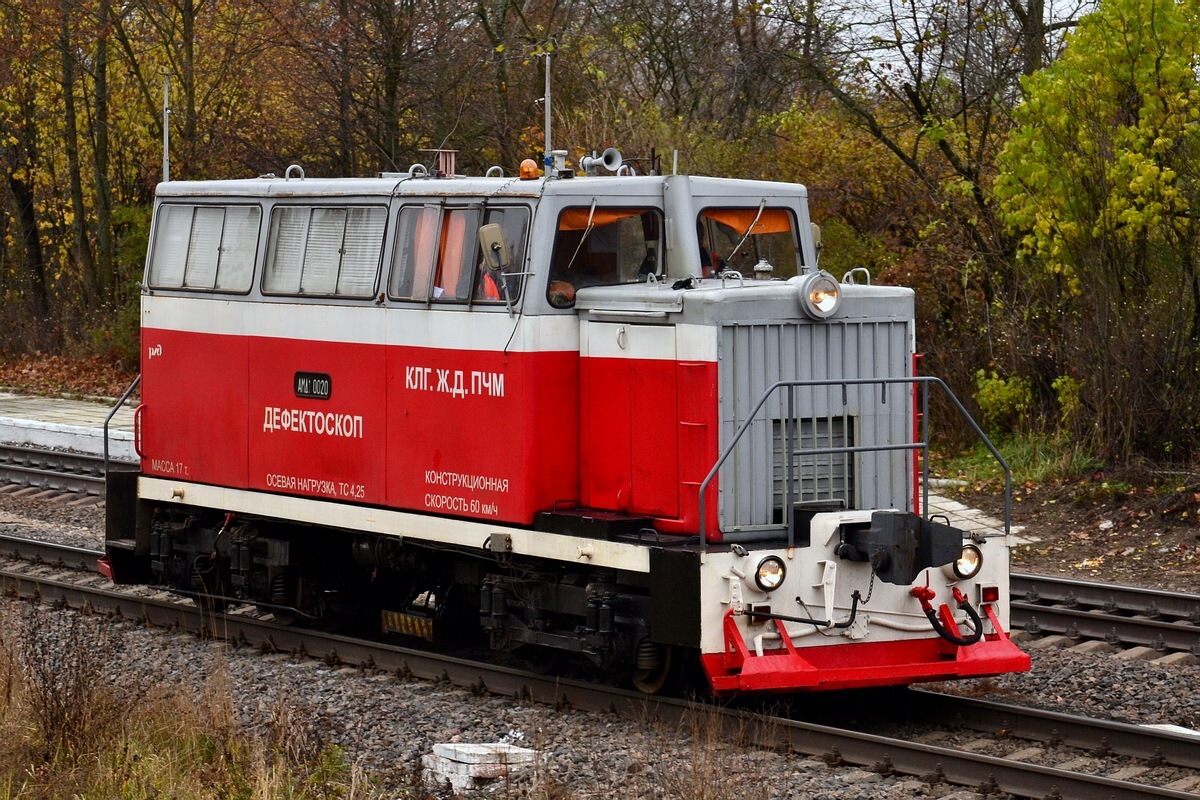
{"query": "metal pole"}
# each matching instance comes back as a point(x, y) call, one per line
point(549, 155)
point(166, 127)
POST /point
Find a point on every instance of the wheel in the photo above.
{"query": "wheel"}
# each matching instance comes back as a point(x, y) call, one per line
point(542, 660)
point(653, 666)
point(283, 616)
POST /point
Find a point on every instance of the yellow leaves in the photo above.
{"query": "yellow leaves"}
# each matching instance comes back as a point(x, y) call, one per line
point(1102, 158)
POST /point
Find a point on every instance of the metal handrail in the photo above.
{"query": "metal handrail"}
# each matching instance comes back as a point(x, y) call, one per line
point(924, 381)
point(114, 410)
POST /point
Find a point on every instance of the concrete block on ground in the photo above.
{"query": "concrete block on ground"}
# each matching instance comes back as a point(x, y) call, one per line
point(1178, 659)
point(1049, 643)
point(468, 766)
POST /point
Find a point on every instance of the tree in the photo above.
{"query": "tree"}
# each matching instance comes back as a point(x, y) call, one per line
point(1100, 181)
point(21, 88)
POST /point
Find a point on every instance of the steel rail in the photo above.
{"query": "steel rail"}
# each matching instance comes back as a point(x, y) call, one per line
point(1115, 629)
point(1166, 621)
point(53, 553)
point(76, 473)
point(881, 753)
point(1152, 603)
point(1056, 728)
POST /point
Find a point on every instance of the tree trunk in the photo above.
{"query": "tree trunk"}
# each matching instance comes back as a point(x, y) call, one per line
point(345, 164)
point(79, 230)
point(105, 266)
point(35, 263)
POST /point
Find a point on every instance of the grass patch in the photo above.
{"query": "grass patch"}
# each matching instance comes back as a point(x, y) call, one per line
point(1032, 458)
point(70, 726)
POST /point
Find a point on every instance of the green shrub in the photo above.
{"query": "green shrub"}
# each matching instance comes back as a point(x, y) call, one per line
point(1005, 403)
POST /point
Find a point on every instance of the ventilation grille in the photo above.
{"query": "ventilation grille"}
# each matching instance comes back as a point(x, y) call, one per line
point(753, 481)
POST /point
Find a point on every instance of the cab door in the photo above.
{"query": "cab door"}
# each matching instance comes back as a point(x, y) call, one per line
point(629, 427)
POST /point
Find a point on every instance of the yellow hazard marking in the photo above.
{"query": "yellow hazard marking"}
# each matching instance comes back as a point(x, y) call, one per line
point(407, 624)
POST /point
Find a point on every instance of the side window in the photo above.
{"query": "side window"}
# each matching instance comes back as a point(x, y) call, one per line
point(456, 249)
point(289, 228)
point(438, 259)
point(603, 246)
point(204, 247)
point(416, 248)
point(361, 250)
point(239, 244)
point(515, 223)
point(738, 238)
point(324, 251)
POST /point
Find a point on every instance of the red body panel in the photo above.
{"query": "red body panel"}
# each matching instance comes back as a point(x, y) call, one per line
point(630, 437)
point(649, 436)
point(194, 416)
point(308, 461)
point(485, 454)
point(467, 433)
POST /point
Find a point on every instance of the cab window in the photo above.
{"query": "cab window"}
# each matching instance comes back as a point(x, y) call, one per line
point(603, 247)
point(491, 287)
point(438, 258)
point(204, 247)
point(738, 238)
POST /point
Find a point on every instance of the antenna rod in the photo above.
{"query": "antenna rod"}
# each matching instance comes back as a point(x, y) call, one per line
point(549, 157)
point(166, 127)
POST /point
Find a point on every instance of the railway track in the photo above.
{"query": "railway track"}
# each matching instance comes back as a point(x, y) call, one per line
point(1021, 751)
point(52, 471)
point(1123, 616)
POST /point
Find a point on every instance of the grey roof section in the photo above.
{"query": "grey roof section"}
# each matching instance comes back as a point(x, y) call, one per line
point(717, 300)
point(607, 187)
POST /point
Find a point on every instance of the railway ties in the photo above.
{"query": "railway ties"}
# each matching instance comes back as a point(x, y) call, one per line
point(1161, 622)
point(73, 478)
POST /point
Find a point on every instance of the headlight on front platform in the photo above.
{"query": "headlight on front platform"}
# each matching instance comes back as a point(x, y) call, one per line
point(968, 564)
point(770, 573)
point(820, 295)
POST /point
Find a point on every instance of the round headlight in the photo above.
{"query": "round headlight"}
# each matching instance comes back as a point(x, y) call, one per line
point(969, 563)
point(770, 573)
point(820, 295)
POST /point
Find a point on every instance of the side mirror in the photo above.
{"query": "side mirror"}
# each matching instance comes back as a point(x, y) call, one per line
point(816, 235)
point(495, 249)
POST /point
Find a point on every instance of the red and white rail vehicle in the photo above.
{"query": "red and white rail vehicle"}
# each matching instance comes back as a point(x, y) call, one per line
point(622, 417)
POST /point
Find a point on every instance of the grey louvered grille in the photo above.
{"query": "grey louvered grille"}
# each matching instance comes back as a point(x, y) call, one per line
point(754, 495)
point(816, 477)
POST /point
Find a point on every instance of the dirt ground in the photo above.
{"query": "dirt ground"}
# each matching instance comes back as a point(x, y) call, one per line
point(1105, 529)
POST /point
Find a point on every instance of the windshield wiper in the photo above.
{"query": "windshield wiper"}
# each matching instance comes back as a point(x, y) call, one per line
point(761, 205)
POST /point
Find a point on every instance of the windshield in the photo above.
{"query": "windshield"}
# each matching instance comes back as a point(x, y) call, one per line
point(602, 247)
point(738, 238)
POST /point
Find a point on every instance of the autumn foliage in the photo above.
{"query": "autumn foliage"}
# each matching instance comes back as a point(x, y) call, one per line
point(1030, 175)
